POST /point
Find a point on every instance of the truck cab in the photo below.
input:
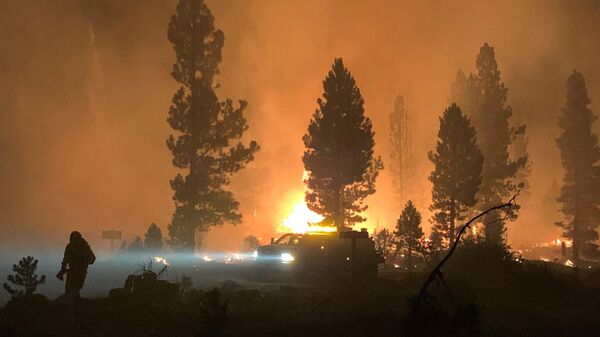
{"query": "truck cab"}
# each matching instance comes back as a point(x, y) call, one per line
point(324, 253)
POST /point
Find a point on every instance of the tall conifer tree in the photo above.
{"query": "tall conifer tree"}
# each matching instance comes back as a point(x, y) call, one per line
point(483, 97)
point(207, 145)
point(339, 151)
point(457, 174)
point(464, 92)
point(400, 156)
point(580, 192)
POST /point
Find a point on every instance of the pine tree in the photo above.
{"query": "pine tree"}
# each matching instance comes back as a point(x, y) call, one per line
point(136, 246)
point(251, 243)
point(438, 240)
point(384, 241)
point(580, 191)
point(457, 174)
point(483, 98)
point(24, 277)
point(123, 247)
point(409, 231)
point(153, 238)
point(400, 154)
point(207, 146)
point(464, 92)
point(339, 152)
point(518, 149)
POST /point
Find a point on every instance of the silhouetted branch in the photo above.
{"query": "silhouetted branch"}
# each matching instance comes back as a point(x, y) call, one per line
point(436, 274)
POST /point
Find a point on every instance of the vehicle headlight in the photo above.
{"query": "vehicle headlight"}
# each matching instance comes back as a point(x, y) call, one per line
point(255, 254)
point(287, 257)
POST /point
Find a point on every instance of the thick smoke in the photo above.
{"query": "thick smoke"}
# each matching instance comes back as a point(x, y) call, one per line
point(82, 139)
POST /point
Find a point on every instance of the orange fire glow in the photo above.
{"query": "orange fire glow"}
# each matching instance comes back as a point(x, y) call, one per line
point(302, 220)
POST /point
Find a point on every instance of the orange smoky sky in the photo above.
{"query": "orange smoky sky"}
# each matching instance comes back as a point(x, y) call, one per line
point(85, 90)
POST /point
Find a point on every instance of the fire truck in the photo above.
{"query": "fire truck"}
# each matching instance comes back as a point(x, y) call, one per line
point(318, 254)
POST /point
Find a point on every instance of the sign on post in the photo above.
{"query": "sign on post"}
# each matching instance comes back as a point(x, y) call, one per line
point(111, 235)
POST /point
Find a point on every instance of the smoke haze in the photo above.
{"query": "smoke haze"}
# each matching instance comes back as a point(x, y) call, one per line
point(86, 86)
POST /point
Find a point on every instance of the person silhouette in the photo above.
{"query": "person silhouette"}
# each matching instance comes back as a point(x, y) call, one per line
point(78, 256)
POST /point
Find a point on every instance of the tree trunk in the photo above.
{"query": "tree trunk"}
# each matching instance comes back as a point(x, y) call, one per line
point(339, 211)
point(452, 220)
point(575, 241)
point(409, 253)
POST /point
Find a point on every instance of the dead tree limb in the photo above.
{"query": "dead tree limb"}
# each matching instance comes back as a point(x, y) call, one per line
point(436, 273)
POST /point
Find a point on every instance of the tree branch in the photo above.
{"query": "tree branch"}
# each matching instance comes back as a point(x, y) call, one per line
point(436, 272)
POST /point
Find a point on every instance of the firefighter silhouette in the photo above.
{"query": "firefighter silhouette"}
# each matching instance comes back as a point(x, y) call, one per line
point(78, 255)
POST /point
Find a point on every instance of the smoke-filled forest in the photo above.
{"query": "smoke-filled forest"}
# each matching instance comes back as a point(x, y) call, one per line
point(281, 168)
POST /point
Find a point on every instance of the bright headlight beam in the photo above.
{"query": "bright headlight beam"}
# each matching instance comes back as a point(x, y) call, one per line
point(287, 257)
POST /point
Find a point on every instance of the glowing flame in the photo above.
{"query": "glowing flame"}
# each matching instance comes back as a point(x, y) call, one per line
point(161, 259)
point(299, 220)
point(569, 263)
point(568, 243)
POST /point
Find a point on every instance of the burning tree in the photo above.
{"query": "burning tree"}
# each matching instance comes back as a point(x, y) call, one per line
point(339, 156)
point(580, 192)
point(207, 145)
point(457, 174)
point(24, 277)
point(409, 231)
point(483, 97)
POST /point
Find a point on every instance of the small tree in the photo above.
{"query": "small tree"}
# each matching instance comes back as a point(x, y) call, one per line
point(251, 243)
point(409, 231)
point(25, 277)
point(153, 238)
point(136, 246)
point(438, 241)
point(384, 241)
point(123, 248)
